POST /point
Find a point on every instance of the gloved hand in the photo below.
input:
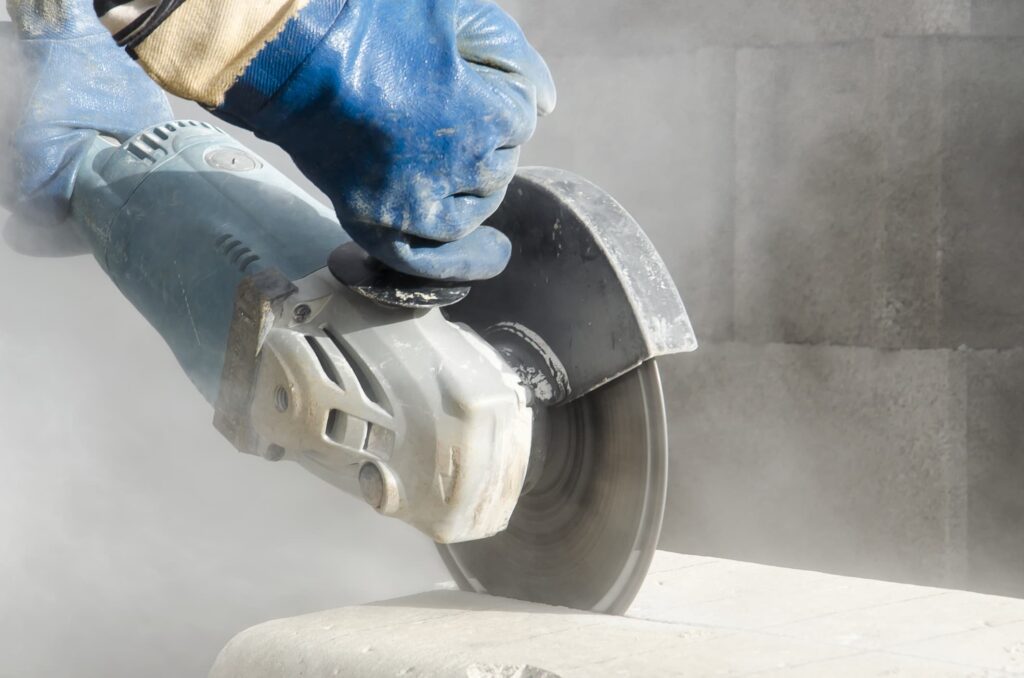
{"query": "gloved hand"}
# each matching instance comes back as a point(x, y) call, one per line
point(79, 85)
point(408, 114)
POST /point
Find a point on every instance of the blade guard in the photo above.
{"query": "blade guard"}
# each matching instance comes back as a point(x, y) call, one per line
point(584, 277)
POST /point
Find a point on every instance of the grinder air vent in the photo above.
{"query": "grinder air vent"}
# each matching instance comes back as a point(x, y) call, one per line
point(151, 145)
point(236, 251)
point(333, 355)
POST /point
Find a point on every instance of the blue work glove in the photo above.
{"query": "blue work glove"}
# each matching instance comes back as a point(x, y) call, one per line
point(80, 84)
point(409, 115)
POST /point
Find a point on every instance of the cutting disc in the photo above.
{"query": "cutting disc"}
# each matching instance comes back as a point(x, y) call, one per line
point(584, 534)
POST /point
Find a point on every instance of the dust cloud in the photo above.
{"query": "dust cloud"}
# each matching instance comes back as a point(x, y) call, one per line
point(134, 540)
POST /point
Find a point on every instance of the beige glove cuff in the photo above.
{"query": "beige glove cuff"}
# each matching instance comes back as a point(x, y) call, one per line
point(203, 47)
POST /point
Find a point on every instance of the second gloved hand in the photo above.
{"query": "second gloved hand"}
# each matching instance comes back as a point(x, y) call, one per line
point(78, 85)
point(408, 114)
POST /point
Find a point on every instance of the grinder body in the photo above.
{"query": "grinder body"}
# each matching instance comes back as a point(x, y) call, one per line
point(523, 428)
point(227, 258)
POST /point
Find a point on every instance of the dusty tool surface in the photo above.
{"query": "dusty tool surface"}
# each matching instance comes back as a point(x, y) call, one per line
point(694, 616)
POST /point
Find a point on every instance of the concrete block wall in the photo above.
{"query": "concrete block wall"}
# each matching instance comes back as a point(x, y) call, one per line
point(878, 193)
point(836, 187)
point(891, 464)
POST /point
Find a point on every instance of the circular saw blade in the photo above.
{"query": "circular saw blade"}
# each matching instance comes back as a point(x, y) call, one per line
point(585, 533)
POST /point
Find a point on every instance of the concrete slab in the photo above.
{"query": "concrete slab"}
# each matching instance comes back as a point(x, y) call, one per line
point(694, 617)
point(721, 592)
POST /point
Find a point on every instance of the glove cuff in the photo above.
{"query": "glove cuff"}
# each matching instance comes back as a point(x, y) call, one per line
point(132, 22)
point(203, 49)
point(245, 102)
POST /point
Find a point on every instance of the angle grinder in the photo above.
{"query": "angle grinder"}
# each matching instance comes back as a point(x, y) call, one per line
point(519, 422)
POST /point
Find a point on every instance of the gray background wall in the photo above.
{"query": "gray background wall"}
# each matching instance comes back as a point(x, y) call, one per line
point(838, 189)
point(836, 186)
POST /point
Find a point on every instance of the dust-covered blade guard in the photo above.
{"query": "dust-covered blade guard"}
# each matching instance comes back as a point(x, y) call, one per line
point(584, 277)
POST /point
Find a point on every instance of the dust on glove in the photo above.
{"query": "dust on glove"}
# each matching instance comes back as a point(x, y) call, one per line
point(408, 114)
point(79, 85)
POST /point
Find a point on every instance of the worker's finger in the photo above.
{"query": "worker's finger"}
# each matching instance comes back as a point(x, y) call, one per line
point(455, 217)
point(492, 175)
point(512, 100)
point(489, 37)
point(459, 204)
point(480, 255)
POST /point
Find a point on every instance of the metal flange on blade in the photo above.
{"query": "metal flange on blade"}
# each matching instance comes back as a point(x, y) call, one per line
point(583, 536)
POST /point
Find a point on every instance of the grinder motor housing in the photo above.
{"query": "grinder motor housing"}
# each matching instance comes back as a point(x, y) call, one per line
point(428, 414)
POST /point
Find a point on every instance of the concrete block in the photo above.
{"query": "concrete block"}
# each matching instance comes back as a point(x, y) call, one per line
point(948, 614)
point(604, 28)
point(840, 459)
point(909, 220)
point(877, 665)
point(657, 133)
point(806, 185)
point(899, 465)
point(991, 649)
point(693, 617)
point(443, 633)
point(877, 194)
point(721, 593)
point(983, 108)
point(995, 429)
point(997, 17)
point(859, 193)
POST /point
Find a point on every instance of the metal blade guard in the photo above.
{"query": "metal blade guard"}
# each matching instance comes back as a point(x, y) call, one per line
point(583, 310)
